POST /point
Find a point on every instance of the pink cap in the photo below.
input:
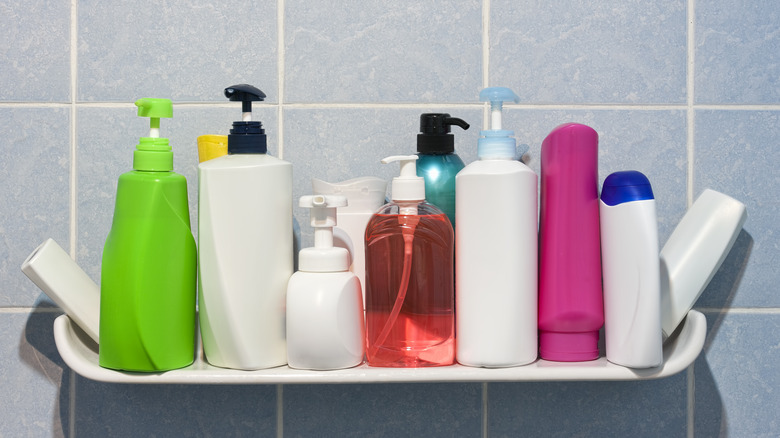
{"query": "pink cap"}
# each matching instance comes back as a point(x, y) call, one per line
point(569, 346)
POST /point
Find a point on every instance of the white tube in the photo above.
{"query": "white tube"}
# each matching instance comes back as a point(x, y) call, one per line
point(57, 275)
point(694, 253)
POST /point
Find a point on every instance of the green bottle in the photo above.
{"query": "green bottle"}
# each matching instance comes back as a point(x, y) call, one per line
point(148, 279)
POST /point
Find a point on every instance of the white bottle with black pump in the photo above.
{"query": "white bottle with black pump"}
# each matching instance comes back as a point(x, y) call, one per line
point(495, 250)
point(245, 250)
point(325, 327)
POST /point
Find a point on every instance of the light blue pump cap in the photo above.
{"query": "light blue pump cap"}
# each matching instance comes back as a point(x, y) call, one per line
point(496, 143)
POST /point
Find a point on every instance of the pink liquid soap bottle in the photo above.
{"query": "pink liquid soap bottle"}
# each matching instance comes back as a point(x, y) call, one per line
point(571, 304)
point(410, 292)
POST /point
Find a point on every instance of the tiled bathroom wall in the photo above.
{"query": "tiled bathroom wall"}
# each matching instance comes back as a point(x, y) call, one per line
point(686, 91)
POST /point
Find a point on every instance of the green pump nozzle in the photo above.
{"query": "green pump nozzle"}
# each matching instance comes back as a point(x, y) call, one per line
point(153, 153)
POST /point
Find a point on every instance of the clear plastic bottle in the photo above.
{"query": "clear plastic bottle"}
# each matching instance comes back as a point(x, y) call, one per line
point(410, 300)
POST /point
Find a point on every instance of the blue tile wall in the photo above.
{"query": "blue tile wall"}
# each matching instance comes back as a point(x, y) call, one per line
point(688, 92)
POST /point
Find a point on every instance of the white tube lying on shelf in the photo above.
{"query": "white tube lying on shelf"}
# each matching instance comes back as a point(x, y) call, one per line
point(57, 275)
point(694, 253)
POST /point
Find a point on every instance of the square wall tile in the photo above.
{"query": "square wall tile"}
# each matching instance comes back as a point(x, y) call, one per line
point(335, 145)
point(35, 176)
point(613, 51)
point(737, 52)
point(383, 410)
point(652, 408)
point(737, 154)
point(737, 376)
point(35, 54)
point(183, 49)
point(374, 51)
point(35, 392)
point(104, 154)
point(652, 142)
point(127, 410)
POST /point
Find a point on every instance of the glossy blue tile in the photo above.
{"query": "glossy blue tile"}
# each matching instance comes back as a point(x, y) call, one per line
point(373, 51)
point(104, 154)
point(339, 144)
point(35, 176)
point(36, 383)
point(737, 154)
point(737, 52)
point(655, 408)
point(590, 52)
point(383, 410)
point(652, 142)
point(737, 376)
point(35, 54)
point(185, 50)
point(121, 410)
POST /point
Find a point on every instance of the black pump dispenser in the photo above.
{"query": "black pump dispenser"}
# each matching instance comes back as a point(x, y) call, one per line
point(435, 137)
point(247, 136)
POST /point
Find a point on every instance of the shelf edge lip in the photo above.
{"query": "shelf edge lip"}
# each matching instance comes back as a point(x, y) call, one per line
point(693, 334)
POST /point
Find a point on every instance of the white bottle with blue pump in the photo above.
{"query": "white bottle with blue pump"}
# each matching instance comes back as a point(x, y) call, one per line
point(496, 250)
point(631, 271)
point(325, 327)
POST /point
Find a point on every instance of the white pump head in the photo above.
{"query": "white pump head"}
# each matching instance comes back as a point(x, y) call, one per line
point(407, 186)
point(323, 257)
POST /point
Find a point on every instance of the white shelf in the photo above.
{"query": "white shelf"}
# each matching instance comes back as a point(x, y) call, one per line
point(81, 355)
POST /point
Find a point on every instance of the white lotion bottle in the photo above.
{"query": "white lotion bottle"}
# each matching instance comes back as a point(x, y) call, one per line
point(631, 272)
point(364, 197)
point(496, 250)
point(694, 253)
point(325, 326)
point(245, 250)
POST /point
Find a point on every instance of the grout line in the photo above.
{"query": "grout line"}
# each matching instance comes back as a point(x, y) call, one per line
point(73, 114)
point(691, 113)
point(485, 43)
point(691, 400)
point(72, 401)
point(485, 431)
point(741, 310)
point(280, 71)
point(279, 411)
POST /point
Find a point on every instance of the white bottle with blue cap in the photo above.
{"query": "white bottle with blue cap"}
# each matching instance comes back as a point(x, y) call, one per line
point(631, 271)
point(496, 249)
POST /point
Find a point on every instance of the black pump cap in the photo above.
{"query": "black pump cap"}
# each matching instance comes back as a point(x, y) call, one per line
point(246, 137)
point(435, 137)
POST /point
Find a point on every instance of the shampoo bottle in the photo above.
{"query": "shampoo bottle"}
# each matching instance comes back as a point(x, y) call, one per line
point(325, 328)
point(148, 273)
point(438, 163)
point(632, 278)
point(496, 250)
point(571, 307)
point(410, 302)
point(364, 196)
point(245, 235)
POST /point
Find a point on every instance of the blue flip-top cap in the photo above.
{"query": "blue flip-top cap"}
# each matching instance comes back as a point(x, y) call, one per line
point(626, 186)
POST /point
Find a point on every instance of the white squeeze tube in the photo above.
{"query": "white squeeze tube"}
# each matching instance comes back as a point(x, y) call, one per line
point(57, 275)
point(694, 253)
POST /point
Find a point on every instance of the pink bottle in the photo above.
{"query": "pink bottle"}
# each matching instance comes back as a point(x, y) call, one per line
point(571, 305)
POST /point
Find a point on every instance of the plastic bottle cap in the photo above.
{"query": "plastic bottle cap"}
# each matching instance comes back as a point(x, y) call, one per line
point(496, 143)
point(569, 346)
point(153, 153)
point(246, 136)
point(434, 136)
point(364, 194)
point(626, 186)
point(407, 186)
point(323, 257)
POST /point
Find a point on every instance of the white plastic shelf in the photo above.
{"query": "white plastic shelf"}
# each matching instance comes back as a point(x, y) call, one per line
point(81, 355)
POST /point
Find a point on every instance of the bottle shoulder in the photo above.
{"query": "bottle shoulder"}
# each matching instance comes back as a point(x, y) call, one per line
point(236, 161)
point(495, 167)
point(424, 208)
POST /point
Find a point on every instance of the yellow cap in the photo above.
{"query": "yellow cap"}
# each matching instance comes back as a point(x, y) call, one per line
point(211, 146)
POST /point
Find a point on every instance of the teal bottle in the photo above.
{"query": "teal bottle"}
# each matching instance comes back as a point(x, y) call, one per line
point(438, 163)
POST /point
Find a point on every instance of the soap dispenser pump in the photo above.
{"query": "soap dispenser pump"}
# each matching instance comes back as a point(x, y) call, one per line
point(438, 163)
point(148, 272)
point(245, 233)
point(496, 251)
point(410, 301)
point(325, 328)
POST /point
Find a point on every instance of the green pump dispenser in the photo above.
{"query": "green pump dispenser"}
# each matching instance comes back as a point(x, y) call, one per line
point(148, 274)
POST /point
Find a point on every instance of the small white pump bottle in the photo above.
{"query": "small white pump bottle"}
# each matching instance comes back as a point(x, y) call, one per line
point(325, 327)
point(631, 273)
point(496, 250)
point(245, 247)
